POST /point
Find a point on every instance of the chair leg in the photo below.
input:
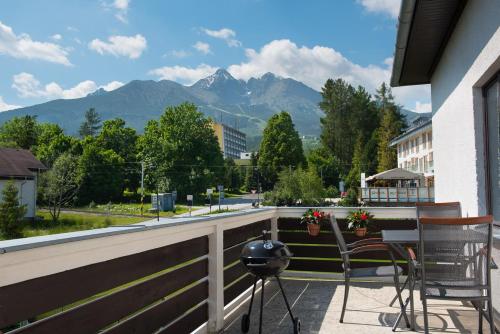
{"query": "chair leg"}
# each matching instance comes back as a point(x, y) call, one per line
point(346, 294)
point(261, 305)
point(480, 316)
point(490, 315)
point(396, 296)
point(411, 287)
point(401, 303)
point(426, 320)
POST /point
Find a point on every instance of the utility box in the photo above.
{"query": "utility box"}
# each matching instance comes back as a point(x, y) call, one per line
point(165, 200)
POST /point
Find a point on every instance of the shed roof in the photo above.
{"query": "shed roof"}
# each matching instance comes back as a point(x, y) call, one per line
point(18, 163)
point(423, 32)
point(395, 174)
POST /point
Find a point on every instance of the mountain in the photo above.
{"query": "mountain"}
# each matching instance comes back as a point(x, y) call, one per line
point(246, 105)
point(411, 115)
point(243, 104)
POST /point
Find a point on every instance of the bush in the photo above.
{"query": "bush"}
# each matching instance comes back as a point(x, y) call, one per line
point(11, 213)
point(296, 187)
point(332, 192)
point(351, 199)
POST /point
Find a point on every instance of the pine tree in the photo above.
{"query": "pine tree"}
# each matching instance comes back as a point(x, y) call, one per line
point(91, 125)
point(392, 124)
point(11, 213)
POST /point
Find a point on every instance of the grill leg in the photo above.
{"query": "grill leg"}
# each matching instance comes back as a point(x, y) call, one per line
point(286, 300)
point(261, 305)
point(253, 294)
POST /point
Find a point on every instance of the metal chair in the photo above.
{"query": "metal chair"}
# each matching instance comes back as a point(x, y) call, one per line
point(362, 246)
point(454, 257)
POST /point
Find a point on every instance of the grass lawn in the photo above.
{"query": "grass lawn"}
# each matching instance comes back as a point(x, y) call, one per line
point(70, 222)
point(133, 209)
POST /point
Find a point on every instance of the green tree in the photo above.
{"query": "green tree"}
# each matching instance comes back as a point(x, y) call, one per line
point(182, 151)
point(232, 177)
point(91, 124)
point(100, 172)
point(251, 177)
point(21, 132)
point(116, 136)
point(11, 212)
point(280, 147)
point(297, 186)
point(60, 184)
point(326, 165)
point(51, 143)
point(392, 124)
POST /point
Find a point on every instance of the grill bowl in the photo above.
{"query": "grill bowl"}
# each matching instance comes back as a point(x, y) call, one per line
point(265, 258)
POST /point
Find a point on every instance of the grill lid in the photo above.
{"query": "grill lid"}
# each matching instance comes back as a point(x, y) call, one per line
point(265, 249)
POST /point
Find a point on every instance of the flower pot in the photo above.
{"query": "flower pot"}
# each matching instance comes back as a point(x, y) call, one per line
point(313, 229)
point(360, 231)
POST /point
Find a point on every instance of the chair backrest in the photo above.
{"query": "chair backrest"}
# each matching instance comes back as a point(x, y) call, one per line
point(455, 252)
point(439, 210)
point(340, 241)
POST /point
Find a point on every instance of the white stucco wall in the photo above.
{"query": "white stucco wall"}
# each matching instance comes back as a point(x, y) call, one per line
point(27, 194)
point(471, 57)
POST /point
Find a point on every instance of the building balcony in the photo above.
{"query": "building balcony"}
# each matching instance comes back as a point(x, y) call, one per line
point(183, 275)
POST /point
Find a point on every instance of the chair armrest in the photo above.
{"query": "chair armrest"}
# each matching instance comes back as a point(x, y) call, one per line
point(412, 257)
point(371, 248)
point(365, 242)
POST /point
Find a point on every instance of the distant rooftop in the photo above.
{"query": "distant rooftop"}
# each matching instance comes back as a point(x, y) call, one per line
point(18, 163)
point(416, 124)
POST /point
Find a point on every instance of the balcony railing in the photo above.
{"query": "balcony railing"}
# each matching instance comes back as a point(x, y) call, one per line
point(177, 276)
point(397, 195)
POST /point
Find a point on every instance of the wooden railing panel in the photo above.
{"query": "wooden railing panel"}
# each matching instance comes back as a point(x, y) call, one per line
point(31, 298)
point(97, 314)
point(162, 314)
point(238, 288)
point(189, 322)
point(240, 234)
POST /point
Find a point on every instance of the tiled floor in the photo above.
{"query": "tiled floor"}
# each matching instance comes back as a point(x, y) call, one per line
point(318, 304)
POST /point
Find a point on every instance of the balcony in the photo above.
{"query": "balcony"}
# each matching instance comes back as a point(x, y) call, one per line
point(184, 275)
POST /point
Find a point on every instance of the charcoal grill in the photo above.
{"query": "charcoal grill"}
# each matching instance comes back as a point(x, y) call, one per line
point(265, 258)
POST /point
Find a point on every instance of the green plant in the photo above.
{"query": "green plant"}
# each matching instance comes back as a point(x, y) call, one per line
point(351, 199)
point(11, 213)
point(358, 219)
point(312, 216)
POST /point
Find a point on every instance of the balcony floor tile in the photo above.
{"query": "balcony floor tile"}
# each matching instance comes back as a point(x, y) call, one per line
point(318, 304)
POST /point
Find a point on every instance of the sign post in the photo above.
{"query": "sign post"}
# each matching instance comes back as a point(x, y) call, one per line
point(220, 188)
point(190, 203)
point(209, 194)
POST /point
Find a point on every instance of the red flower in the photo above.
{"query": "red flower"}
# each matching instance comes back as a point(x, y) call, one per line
point(364, 216)
point(316, 214)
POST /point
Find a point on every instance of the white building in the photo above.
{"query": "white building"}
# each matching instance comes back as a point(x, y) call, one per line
point(21, 167)
point(455, 46)
point(414, 147)
point(232, 142)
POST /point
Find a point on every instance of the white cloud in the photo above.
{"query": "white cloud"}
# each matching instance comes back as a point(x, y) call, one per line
point(73, 29)
point(225, 34)
point(4, 106)
point(185, 75)
point(202, 47)
point(390, 7)
point(23, 47)
point(127, 46)
point(28, 86)
point(112, 85)
point(177, 54)
point(56, 37)
point(423, 107)
point(122, 10)
point(313, 66)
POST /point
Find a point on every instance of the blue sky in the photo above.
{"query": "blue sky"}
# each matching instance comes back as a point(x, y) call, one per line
point(67, 49)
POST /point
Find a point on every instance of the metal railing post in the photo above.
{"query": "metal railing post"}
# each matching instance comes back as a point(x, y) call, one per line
point(216, 280)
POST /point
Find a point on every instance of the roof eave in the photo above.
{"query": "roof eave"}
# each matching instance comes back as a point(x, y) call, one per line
point(405, 21)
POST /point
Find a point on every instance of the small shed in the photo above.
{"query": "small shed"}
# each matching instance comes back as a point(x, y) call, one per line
point(396, 177)
point(22, 167)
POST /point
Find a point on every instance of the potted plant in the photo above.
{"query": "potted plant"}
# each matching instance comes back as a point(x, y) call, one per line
point(358, 221)
point(313, 219)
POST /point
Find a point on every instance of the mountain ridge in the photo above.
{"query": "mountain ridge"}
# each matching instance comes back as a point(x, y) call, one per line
point(238, 103)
